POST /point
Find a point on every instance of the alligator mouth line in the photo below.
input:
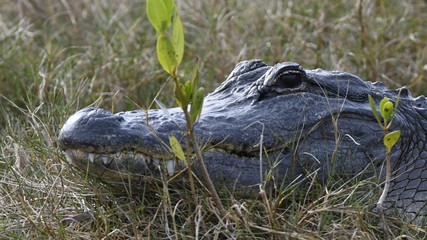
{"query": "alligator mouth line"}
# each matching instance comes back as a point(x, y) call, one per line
point(120, 165)
point(135, 165)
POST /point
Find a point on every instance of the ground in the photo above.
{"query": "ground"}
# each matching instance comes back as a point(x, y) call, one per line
point(59, 56)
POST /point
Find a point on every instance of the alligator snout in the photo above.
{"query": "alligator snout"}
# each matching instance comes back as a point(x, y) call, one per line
point(117, 146)
point(84, 128)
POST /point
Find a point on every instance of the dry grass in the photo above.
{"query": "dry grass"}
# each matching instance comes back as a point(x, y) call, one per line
point(59, 56)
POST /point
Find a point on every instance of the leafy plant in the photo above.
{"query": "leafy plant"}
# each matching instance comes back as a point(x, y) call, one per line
point(163, 15)
point(387, 110)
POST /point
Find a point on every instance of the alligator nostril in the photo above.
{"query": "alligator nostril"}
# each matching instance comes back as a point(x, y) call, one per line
point(288, 80)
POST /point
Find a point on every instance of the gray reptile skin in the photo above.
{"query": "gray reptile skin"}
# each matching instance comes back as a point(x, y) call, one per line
point(285, 110)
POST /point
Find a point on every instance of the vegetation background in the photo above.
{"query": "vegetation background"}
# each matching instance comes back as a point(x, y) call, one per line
point(58, 56)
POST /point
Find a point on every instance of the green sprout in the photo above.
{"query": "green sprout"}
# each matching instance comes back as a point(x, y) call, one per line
point(387, 111)
point(164, 16)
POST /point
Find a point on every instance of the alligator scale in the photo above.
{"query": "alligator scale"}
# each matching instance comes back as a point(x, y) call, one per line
point(288, 112)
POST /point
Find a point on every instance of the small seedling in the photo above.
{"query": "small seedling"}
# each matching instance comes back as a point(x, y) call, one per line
point(163, 15)
point(387, 111)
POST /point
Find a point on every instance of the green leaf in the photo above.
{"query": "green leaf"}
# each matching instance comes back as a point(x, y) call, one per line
point(176, 148)
point(188, 91)
point(166, 54)
point(158, 15)
point(391, 139)
point(398, 99)
point(178, 38)
point(197, 104)
point(195, 77)
point(180, 97)
point(383, 101)
point(169, 5)
point(374, 109)
point(396, 105)
point(387, 110)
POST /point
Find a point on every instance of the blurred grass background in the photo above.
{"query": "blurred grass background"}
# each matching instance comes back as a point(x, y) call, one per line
point(58, 56)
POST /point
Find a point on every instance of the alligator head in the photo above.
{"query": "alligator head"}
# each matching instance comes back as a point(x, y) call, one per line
point(283, 120)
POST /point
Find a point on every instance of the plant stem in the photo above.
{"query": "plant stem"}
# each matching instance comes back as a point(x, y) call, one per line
point(384, 193)
point(205, 173)
point(199, 157)
point(190, 169)
point(380, 202)
point(387, 180)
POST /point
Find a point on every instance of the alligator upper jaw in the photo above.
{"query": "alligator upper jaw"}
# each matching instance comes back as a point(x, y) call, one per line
point(100, 131)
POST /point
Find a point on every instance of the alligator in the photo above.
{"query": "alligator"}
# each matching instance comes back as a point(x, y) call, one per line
point(265, 123)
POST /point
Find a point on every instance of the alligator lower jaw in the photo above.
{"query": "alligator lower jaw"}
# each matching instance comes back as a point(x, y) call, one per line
point(120, 166)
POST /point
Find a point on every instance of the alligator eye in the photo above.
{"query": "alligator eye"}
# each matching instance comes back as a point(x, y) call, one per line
point(288, 80)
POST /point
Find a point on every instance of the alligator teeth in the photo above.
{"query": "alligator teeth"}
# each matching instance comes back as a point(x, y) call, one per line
point(68, 155)
point(91, 157)
point(170, 167)
point(140, 158)
point(104, 159)
point(145, 160)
